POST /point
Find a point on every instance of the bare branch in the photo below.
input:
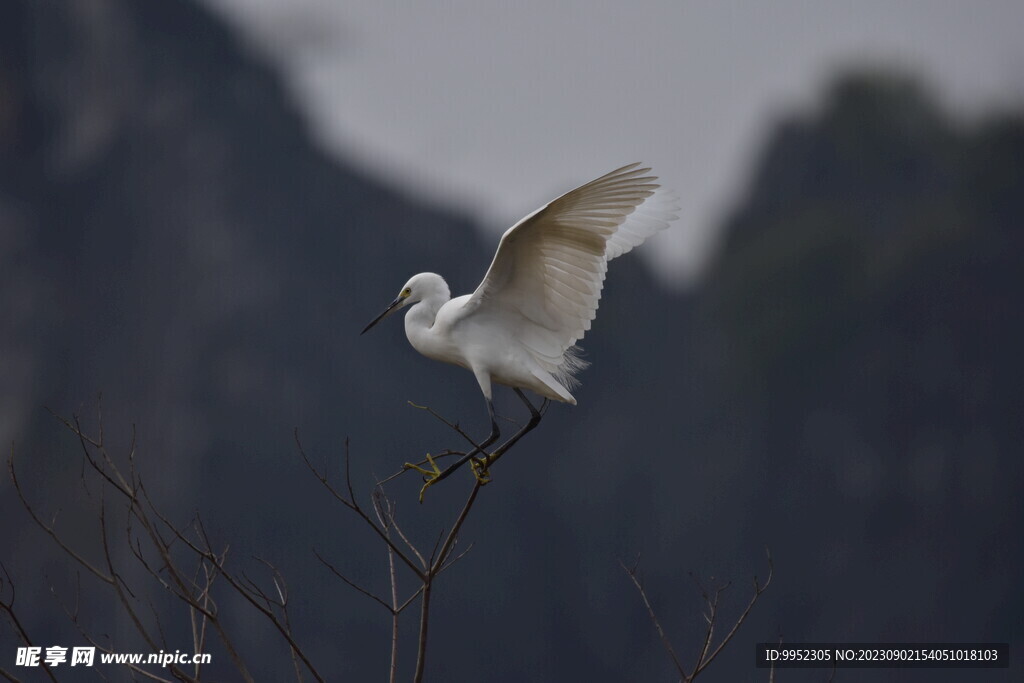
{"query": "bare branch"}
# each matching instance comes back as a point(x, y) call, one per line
point(634, 577)
point(7, 606)
point(385, 510)
point(421, 643)
point(73, 617)
point(282, 604)
point(758, 590)
point(352, 583)
point(409, 600)
point(712, 599)
point(163, 548)
point(388, 521)
point(453, 425)
point(9, 676)
point(49, 530)
point(351, 504)
point(446, 549)
point(455, 559)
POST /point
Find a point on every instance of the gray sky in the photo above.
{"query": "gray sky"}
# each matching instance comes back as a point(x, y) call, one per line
point(497, 107)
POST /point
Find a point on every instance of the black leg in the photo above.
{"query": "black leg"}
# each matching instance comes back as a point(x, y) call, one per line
point(535, 416)
point(495, 433)
point(534, 413)
point(482, 459)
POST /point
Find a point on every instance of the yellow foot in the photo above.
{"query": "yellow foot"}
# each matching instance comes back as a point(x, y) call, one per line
point(429, 476)
point(479, 467)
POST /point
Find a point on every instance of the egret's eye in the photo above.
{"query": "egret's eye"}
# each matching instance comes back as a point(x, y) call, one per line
point(405, 292)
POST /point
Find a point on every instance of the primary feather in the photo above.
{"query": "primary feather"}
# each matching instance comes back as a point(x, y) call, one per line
point(547, 275)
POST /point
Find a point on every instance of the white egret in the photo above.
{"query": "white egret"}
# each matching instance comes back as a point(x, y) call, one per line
point(540, 294)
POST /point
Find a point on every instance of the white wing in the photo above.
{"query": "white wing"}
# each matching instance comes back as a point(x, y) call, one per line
point(547, 274)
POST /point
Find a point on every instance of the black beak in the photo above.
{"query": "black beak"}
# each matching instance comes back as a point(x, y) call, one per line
point(387, 311)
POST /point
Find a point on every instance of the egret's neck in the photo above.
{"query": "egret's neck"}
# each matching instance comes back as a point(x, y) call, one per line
point(419, 322)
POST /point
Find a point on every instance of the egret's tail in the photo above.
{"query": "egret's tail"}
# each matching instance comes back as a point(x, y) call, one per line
point(570, 365)
point(554, 385)
point(563, 376)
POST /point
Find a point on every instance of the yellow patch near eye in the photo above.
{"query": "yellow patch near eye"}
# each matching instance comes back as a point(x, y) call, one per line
point(406, 292)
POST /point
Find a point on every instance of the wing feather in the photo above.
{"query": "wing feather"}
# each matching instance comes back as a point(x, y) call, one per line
point(547, 275)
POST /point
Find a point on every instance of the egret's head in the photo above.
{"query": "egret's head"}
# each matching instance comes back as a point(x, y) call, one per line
point(419, 287)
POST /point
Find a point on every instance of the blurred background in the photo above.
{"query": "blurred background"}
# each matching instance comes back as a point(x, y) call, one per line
point(202, 203)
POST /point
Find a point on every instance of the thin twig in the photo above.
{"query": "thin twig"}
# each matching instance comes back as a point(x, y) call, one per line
point(758, 590)
point(712, 599)
point(354, 506)
point(7, 606)
point(388, 521)
point(421, 644)
point(351, 583)
point(633, 575)
point(385, 510)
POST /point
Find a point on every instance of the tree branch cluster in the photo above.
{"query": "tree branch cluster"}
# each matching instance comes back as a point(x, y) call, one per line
point(184, 562)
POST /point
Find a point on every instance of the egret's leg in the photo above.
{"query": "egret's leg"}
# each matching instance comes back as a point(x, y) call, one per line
point(477, 464)
point(481, 464)
point(535, 414)
point(495, 432)
point(535, 417)
point(431, 478)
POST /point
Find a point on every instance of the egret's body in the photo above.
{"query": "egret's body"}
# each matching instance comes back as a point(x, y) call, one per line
point(484, 343)
point(541, 292)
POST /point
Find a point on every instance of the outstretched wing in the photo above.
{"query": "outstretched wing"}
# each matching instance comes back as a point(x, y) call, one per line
point(547, 274)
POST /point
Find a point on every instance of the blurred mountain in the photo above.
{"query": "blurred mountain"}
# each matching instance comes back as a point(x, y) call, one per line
point(842, 388)
point(864, 308)
point(172, 238)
